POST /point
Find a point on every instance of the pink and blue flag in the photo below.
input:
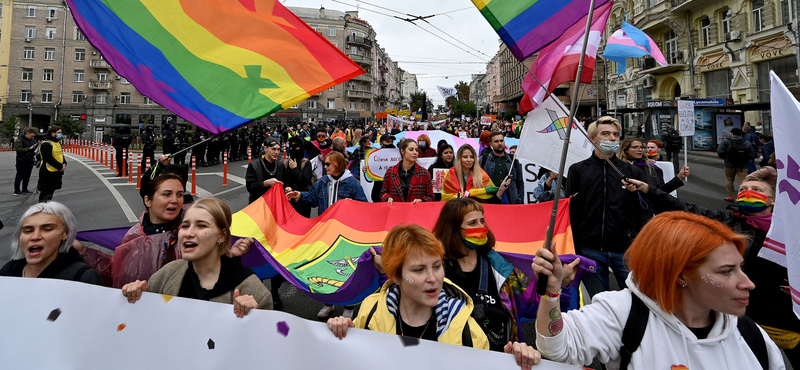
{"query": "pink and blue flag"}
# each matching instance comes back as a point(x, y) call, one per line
point(631, 42)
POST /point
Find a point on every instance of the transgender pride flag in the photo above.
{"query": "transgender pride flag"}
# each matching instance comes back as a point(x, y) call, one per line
point(631, 42)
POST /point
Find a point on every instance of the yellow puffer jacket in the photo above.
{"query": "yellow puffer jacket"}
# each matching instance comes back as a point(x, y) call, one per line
point(453, 315)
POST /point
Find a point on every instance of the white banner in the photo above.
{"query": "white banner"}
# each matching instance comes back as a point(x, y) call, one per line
point(686, 118)
point(783, 240)
point(57, 324)
point(384, 158)
point(542, 137)
point(486, 120)
point(447, 91)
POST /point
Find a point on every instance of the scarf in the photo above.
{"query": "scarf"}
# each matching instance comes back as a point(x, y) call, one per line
point(757, 222)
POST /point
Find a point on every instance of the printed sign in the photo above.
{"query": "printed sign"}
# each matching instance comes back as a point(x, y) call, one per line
point(686, 117)
point(486, 120)
point(380, 115)
point(404, 112)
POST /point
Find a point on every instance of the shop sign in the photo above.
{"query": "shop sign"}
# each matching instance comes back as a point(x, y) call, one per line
point(708, 102)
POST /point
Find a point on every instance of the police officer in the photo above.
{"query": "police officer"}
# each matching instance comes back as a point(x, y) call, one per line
point(149, 145)
point(168, 138)
point(212, 155)
point(180, 142)
point(122, 141)
point(233, 139)
point(199, 151)
point(244, 141)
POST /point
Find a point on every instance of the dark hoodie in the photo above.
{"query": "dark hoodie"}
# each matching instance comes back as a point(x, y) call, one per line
point(66, 266)
point(231, 274)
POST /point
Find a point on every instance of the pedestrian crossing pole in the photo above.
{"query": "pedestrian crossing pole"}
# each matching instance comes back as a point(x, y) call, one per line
point(111, 153)
point(124, 160)
point(194, 174)
point(147, 164)
point(139, 171)
point(249, 156)
point(130, 167)
point(225, 169)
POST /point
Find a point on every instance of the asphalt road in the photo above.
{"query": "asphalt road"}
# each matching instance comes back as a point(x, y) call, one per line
point(101, 200)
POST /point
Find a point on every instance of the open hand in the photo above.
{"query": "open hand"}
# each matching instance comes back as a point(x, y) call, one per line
point(242, 304)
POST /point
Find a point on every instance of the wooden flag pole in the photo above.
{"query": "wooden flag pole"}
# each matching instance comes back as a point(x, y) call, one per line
point(542, 283)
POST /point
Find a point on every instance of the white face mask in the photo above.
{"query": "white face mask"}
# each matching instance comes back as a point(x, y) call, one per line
point(608, 147)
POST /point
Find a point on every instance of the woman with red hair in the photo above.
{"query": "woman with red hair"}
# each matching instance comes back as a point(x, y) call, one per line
point(687, 289)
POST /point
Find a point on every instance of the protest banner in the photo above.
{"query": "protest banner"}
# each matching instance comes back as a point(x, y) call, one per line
point(381, 115)
point(486, 120)
point(391, 111)
point(379, 160)
point(404, 113)
point(165, 332)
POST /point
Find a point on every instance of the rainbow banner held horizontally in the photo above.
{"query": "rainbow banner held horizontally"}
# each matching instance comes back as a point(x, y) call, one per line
point(527, 26)
point(216, 63)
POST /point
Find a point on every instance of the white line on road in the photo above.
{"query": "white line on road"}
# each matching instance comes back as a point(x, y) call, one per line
point(233, 178)
point(120, 200)
point(202, 193)
point(228, 191)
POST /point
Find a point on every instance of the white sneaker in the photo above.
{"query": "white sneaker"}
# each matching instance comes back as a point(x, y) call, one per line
point(325, 312)
point(348, 313)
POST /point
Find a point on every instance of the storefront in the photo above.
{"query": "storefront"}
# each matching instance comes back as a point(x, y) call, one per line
point(658, 115)
point(776, 55)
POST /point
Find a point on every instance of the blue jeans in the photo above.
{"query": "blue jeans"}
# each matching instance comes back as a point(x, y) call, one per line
point(751, 166)
point(598, 282)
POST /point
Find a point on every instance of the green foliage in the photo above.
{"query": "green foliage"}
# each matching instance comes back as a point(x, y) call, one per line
point(462, 90)
point(69, 126)
point(9, 126)
point(465, 107)
point(416, 102)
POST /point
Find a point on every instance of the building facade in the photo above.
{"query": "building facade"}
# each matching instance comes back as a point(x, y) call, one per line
point(494, 96)
point(410, 86)
point(477, 91)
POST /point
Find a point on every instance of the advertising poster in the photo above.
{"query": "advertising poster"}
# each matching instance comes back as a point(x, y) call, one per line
point(725, 123)
point(703, 136)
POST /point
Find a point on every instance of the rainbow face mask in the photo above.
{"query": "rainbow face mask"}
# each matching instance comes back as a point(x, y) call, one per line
point(652, 154)
point(751, 201)
point(476, 237)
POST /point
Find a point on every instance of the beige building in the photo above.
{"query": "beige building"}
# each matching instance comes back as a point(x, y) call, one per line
point(720, 50)
point(410, 86)
point(494, 96)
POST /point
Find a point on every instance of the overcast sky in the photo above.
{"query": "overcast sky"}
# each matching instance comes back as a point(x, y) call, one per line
point(405, 42)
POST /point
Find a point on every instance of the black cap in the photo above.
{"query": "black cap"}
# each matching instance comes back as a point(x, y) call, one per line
point(388, 137)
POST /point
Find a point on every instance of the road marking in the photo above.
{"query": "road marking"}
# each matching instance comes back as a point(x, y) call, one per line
point(202, 193)
point(228, 191)
point(126, 209)
point(233, 178)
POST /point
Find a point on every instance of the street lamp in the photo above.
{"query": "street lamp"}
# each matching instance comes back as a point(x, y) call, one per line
point(30, 99)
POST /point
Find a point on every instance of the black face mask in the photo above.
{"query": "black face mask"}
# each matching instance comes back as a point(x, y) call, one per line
point(296, 153)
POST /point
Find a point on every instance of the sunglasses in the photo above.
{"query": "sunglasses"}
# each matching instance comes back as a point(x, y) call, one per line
point(321, 136)
point(327, 164)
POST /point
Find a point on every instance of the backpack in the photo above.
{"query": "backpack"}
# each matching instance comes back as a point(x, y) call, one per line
point(738, 153)
point(636, 325)
point(37, 155)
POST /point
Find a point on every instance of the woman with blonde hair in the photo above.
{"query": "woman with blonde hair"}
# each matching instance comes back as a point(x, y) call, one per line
point(204, 271)
point(467, 179)
point(684, 306)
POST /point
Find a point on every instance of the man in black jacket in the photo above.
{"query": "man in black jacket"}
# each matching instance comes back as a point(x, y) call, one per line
point(199, 151)
point(265, 172)
point(122, 141)
point(149, 146)
point(605, 217)
point(25, 147)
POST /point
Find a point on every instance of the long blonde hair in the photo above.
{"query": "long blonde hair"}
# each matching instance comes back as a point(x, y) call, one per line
point(477, 177)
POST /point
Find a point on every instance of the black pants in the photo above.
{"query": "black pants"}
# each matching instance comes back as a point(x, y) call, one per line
point(24, 168)
point(179, 158)
point(46, 195)
point(121, 162)
point(199, 157)
point(674, 156)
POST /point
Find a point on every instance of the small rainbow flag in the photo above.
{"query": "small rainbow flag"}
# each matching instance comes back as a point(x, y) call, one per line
point(527, 26)
point(216, 63)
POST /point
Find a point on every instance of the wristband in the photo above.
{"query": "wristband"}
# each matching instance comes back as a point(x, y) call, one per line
point(551, 297)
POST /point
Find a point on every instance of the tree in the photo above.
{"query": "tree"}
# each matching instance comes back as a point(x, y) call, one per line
point(465, 107)
point(462, 90)
point(417, 99)
point(9, 126)
point(69, 126)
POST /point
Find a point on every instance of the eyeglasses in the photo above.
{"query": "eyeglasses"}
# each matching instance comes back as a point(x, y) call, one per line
point(327, 164)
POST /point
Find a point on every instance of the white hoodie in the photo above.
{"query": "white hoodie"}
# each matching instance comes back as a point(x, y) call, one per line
point(596, 331)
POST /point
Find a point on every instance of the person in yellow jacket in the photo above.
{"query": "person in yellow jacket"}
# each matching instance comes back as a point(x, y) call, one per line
point(53, 164)
point(417, 301)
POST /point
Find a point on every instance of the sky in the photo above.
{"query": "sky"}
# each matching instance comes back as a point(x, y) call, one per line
point(405, 42)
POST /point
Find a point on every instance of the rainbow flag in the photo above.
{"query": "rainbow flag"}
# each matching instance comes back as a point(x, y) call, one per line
point(216, 63)
point(527, 26)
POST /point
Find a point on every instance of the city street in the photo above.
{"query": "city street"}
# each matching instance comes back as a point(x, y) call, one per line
point(99, 200)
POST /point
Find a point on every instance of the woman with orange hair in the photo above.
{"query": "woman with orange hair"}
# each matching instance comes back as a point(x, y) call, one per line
point(418, 301)
point(425, 149)
point(685, 291)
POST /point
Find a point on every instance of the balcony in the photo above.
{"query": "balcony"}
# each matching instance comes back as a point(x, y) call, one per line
point(99, 85)
point(99, 64)
point(675, 62)
point(383, 83)
point(358, 40)
point(681, 5)
point(363, 94)
point(360, 59)
point(365, 78)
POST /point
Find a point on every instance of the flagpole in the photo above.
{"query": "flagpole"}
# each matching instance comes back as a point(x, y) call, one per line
point(542, 283)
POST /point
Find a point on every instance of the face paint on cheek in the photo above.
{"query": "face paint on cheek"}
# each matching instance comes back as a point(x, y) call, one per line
point(408, 278)
point(708, 280)
point(208, 233)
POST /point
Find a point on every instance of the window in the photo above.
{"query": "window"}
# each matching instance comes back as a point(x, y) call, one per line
point(27, 74)
point(651, 3)
point(49, 53)
point(79, 35)
point(47, 76)
point(1, 9)
point(148, 101)
point(27, 53)
point(311, 103)
point(332, 88)
point(100, 98)
point(726, 21)
point(363, 105)
point(77, 97)
point(331, 31)
point(125, 98)
point(671, 46)
point(787, 11)
point(785, 68)
point(47, 96)
point(50, 33)
point(353, 105)
point(25, 96)
point(705, 28)
point(52, 12)
point(123, 80)
point(102, 76)
point(314, 27)
point(758, 15)
point(31, 11)
point(718, 84)
point(80, 55)
point(77, 75)
point(30, 32)
point(331, 103)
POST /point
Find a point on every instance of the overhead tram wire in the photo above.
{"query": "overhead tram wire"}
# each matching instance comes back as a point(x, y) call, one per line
point(420, 27)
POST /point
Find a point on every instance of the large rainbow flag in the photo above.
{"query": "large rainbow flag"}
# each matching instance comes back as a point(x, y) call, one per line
point(527, 26)
point(328, 257)
point(216, 63)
